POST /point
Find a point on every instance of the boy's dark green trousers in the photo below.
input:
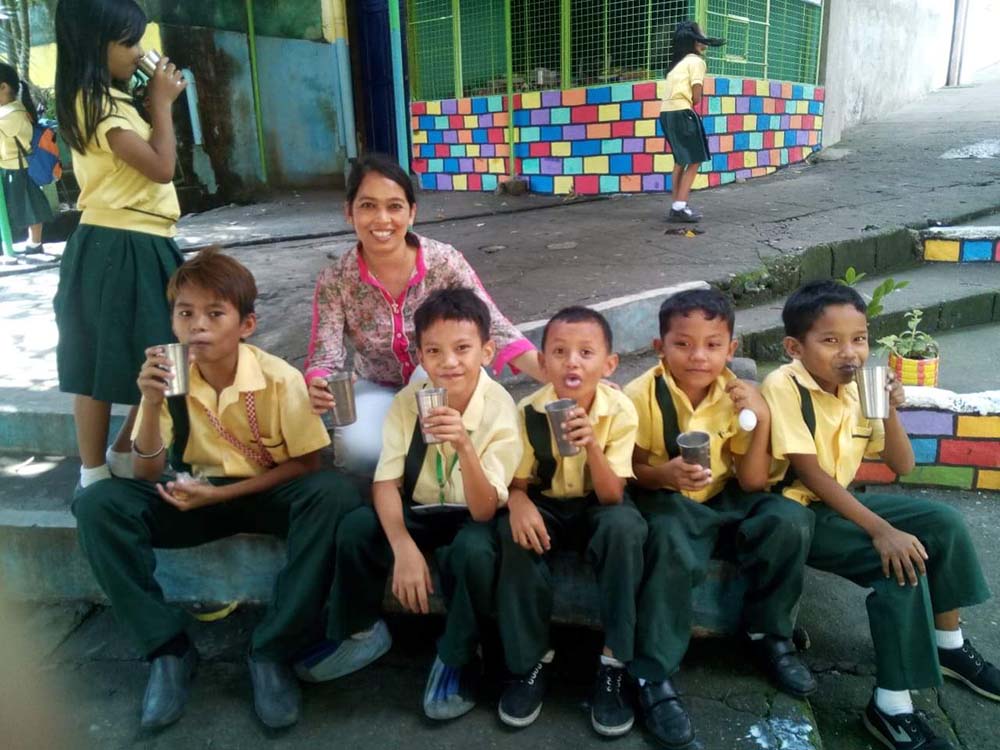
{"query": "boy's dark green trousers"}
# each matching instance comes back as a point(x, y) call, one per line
point(466, 554)
point(766, 535)
point(121, 521)
point(901, 618)
point(610, 536)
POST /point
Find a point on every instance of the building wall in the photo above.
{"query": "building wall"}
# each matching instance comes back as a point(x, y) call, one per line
point(607, 139)
point(880, 55)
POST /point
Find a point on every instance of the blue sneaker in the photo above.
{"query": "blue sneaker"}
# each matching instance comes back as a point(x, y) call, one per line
point(328, 660)
point(450, 691)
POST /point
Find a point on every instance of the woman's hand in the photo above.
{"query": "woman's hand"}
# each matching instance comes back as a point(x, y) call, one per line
point(320, 398)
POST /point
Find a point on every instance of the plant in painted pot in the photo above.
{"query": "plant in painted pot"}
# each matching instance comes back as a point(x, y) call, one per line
point(913, 354)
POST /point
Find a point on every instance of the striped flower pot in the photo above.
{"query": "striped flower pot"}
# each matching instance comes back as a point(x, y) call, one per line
point(915, 371)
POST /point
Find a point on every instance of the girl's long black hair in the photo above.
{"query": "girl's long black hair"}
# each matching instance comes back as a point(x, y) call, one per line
point(683, 42)
point(9, 76)
point(84, 29)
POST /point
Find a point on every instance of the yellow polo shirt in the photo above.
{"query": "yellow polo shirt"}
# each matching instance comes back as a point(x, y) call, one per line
point(113, 194)
point(490, 418)
point(843, 436)
point(288, 428)
point(681, 80)
point(614, 420)
point(715, 415)
point(14, 124)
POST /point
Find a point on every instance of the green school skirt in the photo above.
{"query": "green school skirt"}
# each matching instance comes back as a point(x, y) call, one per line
point(26, 204)
point(686, 135)
point(110, 306)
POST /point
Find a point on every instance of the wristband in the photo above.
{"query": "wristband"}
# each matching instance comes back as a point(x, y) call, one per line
point(140, 454)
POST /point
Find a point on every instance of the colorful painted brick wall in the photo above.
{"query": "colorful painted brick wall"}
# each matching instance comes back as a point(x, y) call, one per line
point(962, 249)
point(952, 450)
point(607, 139)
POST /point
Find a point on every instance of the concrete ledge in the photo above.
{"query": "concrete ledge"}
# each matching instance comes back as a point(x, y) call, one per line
point(961, 244)
point(40, 561)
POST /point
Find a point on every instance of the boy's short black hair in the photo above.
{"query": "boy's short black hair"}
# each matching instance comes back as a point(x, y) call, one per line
point(580, 314)
point(807, 303)
point(455, 303)
point(711, 302)
point(218, 273)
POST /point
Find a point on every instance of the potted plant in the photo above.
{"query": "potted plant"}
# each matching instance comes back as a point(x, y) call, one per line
point(913, 354)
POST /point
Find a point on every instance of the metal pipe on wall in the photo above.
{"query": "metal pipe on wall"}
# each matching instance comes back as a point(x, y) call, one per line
point(335, 32)
point(957, 43)
point(255, 85)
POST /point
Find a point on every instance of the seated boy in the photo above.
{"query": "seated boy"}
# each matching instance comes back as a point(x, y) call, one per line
point(915, 555)
point(441, 497)
point(578, 502)
point(692, 509)
point(245, 425)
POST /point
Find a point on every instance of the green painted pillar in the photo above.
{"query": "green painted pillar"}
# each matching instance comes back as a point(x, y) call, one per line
point(701, 14)
point(456, 46)
point(255, 85)
point(5, 235)
point(565, 45)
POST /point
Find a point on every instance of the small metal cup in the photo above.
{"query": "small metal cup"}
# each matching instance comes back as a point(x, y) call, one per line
point(341, 387)
point(427, 399)
point(179, 367)
point(872, 381)
point(149, 61)
point(558, 412)
point(696, 448)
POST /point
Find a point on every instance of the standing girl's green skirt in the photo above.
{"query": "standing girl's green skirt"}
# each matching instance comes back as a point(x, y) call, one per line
point(26, 203)
point(110, 306)
point(686, 135)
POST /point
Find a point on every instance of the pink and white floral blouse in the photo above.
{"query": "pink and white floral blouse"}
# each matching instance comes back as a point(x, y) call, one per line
point(351, 303)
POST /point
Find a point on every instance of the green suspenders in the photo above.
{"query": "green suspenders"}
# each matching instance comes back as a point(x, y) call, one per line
point(809, 417)
point(539, 435)
point(414, 463)
point(670, 428)
point(182, 429)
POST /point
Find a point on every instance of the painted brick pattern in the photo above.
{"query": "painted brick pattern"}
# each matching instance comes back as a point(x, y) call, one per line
point(607, 139)
point(984, 250)
point(951, 450)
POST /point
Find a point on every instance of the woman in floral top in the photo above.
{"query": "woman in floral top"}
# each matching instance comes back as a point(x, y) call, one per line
point(368, 297)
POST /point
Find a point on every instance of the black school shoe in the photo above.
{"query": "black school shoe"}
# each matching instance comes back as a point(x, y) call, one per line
point(783, 665)
point(665, 715)
point(968, 665)
point(902, 731)
point(684, 216)
point(521, 701)
point(611, 712)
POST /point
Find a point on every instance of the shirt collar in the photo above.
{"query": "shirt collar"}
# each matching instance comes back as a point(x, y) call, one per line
point(249, 378)
point(716, 391)
point(846, 392)
point(599, 409)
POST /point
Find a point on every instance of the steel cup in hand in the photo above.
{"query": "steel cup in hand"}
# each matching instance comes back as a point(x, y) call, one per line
point(558, 412)
point(149, 61)
point(179, 368)
point(341, 387)
point(872, 383)
point(696, 448)
point(428, 399)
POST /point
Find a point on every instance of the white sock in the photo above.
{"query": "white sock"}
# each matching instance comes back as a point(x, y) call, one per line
point(361, 635)
point(893, 702)
point(949, 639)
point(679, 205)
point(549, 656)
point(120, 463)
point(93, 474)
point(756, 636)
point(610, 661)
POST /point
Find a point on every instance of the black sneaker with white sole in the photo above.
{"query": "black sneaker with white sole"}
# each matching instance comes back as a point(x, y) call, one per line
point(903, 731)
point(683, 216)
point(521, 701)
point(968, 665)
point(611, 712)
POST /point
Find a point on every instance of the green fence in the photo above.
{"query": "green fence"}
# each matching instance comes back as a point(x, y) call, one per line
point(459, 47)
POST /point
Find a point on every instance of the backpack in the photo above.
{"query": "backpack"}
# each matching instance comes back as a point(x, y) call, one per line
point(43, 159)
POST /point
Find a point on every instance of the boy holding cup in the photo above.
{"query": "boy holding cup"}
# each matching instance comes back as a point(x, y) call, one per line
point(244, 423)
point(577, 501)
point(441, 477)
point(914, 554)
point(701, 477)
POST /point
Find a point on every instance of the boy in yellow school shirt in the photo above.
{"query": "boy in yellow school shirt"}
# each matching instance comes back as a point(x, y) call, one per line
point(915, 554)
point(246, 425)
point(688, 508)
point(578, 502)
point(441, 497)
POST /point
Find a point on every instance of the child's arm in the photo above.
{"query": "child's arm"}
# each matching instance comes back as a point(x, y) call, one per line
point(898, 452)
point(608, 486)
point(671, 475)
point(148, 440)
point(527, 526)
point(902, 554)
point(157, 157)
point(446, 424)
point(187, 495)
point(753, 468)
point(411, 578)
point(696, 90)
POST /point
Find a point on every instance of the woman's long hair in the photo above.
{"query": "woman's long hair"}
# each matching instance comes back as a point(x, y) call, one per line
point(84, 29)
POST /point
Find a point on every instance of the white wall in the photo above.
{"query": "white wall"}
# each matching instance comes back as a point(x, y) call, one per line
point(880, 55)
point(982, 41)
